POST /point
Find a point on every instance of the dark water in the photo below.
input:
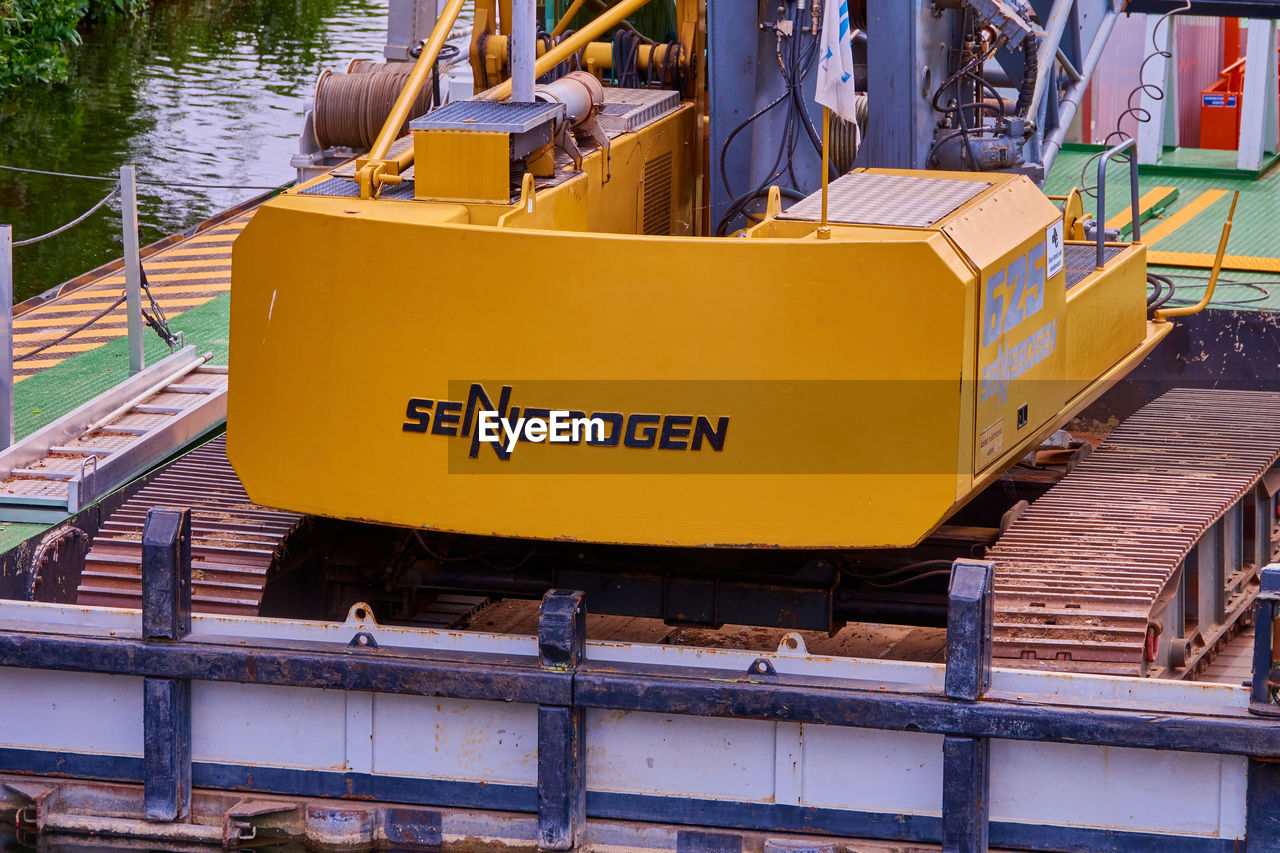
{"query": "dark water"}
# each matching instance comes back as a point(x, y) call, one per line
point(199, 91)
point(10, 843)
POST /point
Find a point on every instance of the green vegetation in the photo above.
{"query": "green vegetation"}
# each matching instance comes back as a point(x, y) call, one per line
point(655, 20)
point(35, 34)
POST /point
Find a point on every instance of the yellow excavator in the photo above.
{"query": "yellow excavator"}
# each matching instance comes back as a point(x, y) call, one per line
point(515, 321)
point(781, 387)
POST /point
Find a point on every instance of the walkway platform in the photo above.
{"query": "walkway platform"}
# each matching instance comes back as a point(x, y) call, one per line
point(189, 275)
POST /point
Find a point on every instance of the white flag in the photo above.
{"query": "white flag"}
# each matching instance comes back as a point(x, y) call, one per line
point(835, 70)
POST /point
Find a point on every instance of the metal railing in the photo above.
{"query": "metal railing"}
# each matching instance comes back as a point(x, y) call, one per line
point(127, 189)
point(1101, 223)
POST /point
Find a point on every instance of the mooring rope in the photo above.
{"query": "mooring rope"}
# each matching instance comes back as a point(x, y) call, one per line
point(73, 223)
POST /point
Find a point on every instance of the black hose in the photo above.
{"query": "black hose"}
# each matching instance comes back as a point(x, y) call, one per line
point(802, 50)
point(1163, 291)
point(1030, 71)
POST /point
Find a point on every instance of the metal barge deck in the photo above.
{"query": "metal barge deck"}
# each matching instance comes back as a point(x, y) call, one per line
point(733, 743)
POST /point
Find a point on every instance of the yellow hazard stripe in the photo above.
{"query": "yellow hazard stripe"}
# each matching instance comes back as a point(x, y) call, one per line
point(188, 249)
point(1185, 214)
point(1149, 200)
point(1198, 260)
point(199, 281)
point(99, 302)
point(154, 278)
point(74, 320)
point(67, 348)
point(203, 262)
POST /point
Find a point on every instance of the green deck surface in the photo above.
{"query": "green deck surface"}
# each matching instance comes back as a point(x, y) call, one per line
point(52, 393)
point(1208, 162)
point(1255, 230)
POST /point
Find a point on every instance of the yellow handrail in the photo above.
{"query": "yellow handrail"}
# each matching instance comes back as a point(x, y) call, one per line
point(1183, 311)
point(567, 48)
point(563, 23)
point(374, 165)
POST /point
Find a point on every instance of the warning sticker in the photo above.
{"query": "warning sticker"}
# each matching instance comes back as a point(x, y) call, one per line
point(1053, 250)
point(990, 443)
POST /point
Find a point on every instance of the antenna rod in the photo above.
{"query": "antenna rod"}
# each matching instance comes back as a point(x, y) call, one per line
point(523, 50)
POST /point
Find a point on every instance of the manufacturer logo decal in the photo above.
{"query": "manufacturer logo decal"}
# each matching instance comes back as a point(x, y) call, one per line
point(503, 427)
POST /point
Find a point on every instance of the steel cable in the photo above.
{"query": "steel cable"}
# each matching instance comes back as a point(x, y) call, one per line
point(350, 109)
point(1139, 113)
point(77, 330)
point(157, 322)
point(73, 223)
point(156, 183)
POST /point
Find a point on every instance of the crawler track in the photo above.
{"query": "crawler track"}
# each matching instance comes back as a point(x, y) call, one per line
point(1144, 559)
point(234, 541)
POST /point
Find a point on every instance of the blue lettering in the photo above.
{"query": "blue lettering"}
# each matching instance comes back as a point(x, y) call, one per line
point(1035, 281)
point(993, 311)
point(1017, 279)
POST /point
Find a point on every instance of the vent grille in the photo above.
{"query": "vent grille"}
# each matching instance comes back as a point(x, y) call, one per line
point(1081, 260)
point(628, 110)
point(657, 195)
point(862, 198)
point(493, 116)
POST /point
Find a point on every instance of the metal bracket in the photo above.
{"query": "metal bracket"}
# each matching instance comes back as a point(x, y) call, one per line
point(761, 666)
point(592, 128)
point(1004, 17)
point(966, 760)
point(363, 640)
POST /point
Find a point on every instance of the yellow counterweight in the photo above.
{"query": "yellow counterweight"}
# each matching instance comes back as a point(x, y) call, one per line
point(771, 389)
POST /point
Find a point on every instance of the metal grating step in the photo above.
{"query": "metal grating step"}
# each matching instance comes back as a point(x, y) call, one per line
point(628, 110)
point(488, 116)
point(1080, 260)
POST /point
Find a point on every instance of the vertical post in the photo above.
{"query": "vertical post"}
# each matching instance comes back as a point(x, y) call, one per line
point(824, 230)
point(409, 23)
point(1152, 134)
point(966, 760)
point(562, 790)
point(1264, 636)
point(1262, 805)
point(732, 54)
point(1230, 40)
point(1232, 544)
point(969, 620)
point(966, 764)
point(1258, 100)
point(1211, 606)
point(523, 50)
point(166, 710)
point(132, 265)
point(1264, 516)
point(6, 336)
point(1262, 792)
point(903, 61)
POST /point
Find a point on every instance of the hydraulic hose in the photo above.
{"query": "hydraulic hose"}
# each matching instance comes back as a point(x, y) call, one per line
point(1030, 69)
